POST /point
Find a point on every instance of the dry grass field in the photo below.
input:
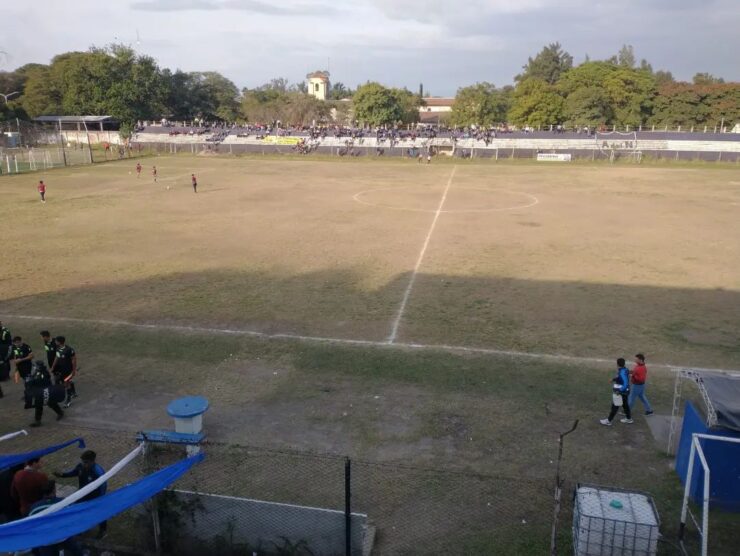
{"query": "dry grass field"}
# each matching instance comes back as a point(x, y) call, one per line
point(320, 304)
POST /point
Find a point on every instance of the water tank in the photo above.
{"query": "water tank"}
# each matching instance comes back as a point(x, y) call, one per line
point(614, 522)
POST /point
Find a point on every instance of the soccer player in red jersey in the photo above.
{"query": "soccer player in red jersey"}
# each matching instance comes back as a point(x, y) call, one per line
point(195, 183)
point(42, 191)
point(138, 170)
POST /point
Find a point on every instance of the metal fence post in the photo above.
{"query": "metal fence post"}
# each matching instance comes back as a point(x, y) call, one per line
point(348, 507)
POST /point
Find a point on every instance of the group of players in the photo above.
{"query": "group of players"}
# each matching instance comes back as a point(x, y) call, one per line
point(41, 187)
point(47, 383)
point(193, 179)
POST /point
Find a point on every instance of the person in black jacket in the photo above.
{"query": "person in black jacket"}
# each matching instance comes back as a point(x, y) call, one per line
point(50, 347)
point(42, 392)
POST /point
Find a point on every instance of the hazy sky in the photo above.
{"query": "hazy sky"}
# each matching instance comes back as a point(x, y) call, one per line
point(443, 43)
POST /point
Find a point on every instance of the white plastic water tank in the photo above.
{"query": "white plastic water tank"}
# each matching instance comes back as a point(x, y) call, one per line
point(614, 522)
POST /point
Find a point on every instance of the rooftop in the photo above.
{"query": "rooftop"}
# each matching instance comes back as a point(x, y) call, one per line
point(74, 119)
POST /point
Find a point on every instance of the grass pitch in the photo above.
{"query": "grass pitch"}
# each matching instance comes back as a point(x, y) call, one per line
point(585, 261)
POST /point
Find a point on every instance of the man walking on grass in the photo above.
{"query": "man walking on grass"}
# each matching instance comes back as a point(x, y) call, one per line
point(195, 183)
point(639, 377)
point(42, 191)
point(620, 395)
point(64, 368)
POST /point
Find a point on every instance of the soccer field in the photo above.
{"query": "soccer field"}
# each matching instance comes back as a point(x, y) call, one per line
point(586, 261)
point(454, 316)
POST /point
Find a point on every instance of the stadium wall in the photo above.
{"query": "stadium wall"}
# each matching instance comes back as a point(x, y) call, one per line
point(586, 148)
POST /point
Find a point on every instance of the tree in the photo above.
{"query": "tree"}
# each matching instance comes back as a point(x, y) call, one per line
point(588, 106)
point(480, 104)
point(628, 92)
point(276, 84)
point(536, 103)
point(376, 105)
point(662, 77)
point(40, 95)
point(339, 91)
point(626, 56)
point(706, 79)
point(688, 104)
point(548, 65)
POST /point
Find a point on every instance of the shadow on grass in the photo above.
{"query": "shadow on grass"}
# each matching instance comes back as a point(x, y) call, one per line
point(679, 326)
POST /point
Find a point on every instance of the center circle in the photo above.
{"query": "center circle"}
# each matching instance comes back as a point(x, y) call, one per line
point(418, 198)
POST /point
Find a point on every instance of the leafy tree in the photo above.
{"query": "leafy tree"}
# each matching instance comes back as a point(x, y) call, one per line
point(376, 105)
point(588, 106)
point(687, 104)
point(629, 93)
point(548, 65)
point(479, 104)
point(626, 56)
point(706, 79)
point(40, 95)
point(276, 84)
point(536, 103)
point(662, 77)
point(339, 91)
point(301, 87)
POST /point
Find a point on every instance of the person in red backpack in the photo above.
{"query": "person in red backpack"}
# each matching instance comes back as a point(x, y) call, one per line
point(639, 378)
point(42, 191)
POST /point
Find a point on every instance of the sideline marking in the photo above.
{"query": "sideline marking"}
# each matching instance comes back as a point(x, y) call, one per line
point(407, 293)
point(349, 341)
point(532, 200)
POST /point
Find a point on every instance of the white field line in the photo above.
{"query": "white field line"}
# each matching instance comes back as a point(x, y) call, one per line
point(407, 293)
point(348, 341)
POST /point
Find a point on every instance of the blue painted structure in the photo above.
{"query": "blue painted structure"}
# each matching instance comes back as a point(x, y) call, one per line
point(723, 459)
point(189, 406)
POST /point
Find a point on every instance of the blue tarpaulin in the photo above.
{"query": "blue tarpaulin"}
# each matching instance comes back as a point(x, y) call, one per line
point(14, 459)
point(77, 518)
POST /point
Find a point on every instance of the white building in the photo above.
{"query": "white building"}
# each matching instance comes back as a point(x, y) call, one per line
point(435, 109)
point(318, 84)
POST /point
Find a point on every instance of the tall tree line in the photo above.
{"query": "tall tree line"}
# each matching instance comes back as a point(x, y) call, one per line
point(550, 90)
point(617, 91)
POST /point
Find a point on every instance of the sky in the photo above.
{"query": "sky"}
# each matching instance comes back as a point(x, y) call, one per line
point(444, 44)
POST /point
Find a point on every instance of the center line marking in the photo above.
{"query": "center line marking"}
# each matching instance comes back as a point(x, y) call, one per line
point(407, 293)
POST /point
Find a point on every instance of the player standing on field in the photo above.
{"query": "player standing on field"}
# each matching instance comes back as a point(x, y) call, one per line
point(154, 173)
point(50, 347)
point(64, 368)
point(42, 190)
point(138, 170)
point(195, 183)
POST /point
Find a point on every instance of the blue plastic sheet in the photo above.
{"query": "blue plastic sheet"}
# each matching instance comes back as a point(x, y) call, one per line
point(77, 518)
point(14, 459)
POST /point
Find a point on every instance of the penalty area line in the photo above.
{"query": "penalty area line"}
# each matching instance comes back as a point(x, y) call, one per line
point(351, 342)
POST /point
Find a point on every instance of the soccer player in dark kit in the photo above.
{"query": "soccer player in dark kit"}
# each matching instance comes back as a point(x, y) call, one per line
point(64, 368)
point(42, 392)
point(195, 183)
point(21, 357)
point(138, 170)
point(50, 347)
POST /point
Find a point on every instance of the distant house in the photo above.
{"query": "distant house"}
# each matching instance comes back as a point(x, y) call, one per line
point(319, 84)
point(435, 109)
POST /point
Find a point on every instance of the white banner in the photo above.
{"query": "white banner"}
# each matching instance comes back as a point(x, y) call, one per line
point(553, 157)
